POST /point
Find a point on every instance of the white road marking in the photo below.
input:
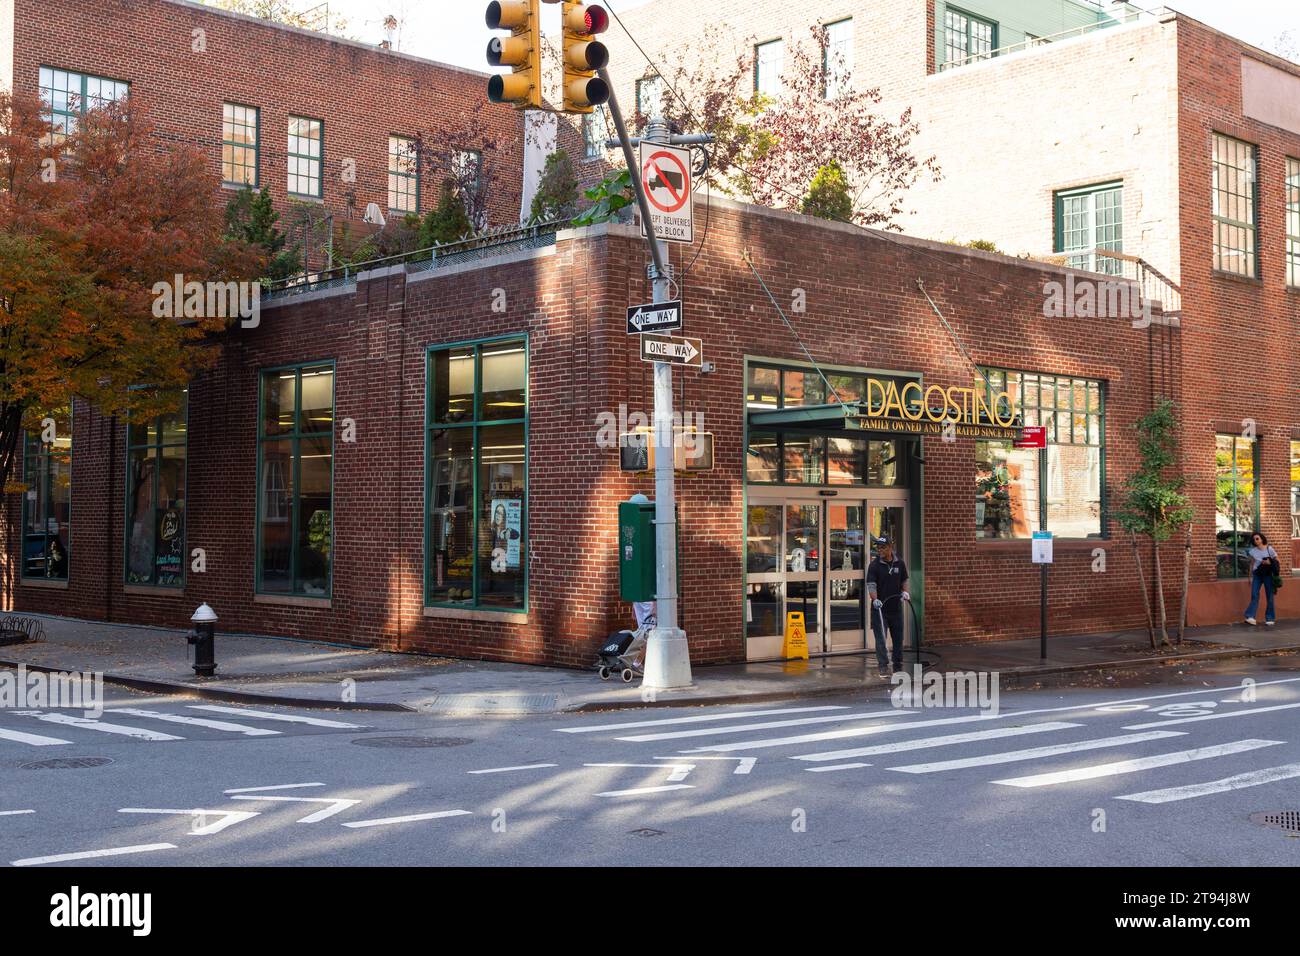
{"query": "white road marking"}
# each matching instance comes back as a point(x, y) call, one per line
point(336, 805)
point(265, 715)
point(196, 721)
point(1141, 763)
point(745, 764)
point(1238, 782)
point(93, 854)
point(838, 766)
point(698, 718)
point(14, 813)
point(1034, 753)
point(412, 818)
point(1230, 713)
point(225, 819)
point(836, 734)
point(527, 766)
point(89, 723)
point(639, 790)
point(34, 740)
point(680, 771)
point(924, 743)
point(278, 786)
point(769, 725)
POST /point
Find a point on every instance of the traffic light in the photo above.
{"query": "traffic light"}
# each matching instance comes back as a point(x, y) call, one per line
point(522, 51)
point(583, 56)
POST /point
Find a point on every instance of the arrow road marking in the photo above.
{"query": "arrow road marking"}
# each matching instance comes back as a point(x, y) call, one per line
point(92, 854)
point(336, 805)
point(744, 765)
point(640, 790)
point(225, 819)
point(278, 786)
point(1192, 720)
point(680, 771)
point(412, 818)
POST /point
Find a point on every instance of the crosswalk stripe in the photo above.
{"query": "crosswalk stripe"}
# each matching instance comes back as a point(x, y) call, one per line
point(1034, 753)
point(1230, 713)
point(34, 740)
point(698, 718)
point(410, 818)
point(1238, 782)
point(89, 723)
point(847, 733)
point(635, 791)
point(924, 743)
point(196, 721)
point(770, 725)
point(838, 766)
point(265, 715)
point(1141, 763)
point(94, 854)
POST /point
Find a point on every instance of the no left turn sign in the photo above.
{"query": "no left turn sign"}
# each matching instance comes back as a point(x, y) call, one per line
point(666, 179)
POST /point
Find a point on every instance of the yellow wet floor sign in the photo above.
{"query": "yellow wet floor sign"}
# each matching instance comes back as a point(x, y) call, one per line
point(796, 637)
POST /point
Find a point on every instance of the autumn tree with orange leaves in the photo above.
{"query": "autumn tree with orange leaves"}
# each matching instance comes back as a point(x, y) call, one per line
point(88, 226)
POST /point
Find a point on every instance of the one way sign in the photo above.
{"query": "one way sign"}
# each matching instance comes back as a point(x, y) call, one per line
point(664, 348)
point(656, 317)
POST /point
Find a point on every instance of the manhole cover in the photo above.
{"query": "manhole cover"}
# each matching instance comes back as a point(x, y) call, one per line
point(1279, 819)
point(646, 832)
point(412, 741)
point(67, 763)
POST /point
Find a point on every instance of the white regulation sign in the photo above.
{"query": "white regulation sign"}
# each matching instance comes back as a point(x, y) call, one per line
point(666, 179)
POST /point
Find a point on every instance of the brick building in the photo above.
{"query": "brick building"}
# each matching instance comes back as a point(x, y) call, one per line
point(328, 125)
point(414, 460)
point(1068, 129)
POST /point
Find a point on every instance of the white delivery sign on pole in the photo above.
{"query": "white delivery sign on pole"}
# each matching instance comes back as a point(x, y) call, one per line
point(666, 178)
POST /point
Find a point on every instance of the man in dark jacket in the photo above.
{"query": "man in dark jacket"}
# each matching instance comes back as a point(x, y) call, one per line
point(887, 584)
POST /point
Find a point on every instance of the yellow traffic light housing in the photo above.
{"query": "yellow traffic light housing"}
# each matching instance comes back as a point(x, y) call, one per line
point(583, 56)
point(522, 51)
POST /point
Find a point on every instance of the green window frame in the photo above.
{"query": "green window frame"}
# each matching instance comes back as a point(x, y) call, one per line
point(403, 174)
point(295, 534)
point(47, 501)
point(1235, 206)
point(68, 95)
point(1293, 223)
point(967, 36)
point(306, 156)
point(1088, 219)
point(1073, 412)
point(769, 64)
point(476, 475)
point(1236, 503)
point(240, 144)
point(153, 554)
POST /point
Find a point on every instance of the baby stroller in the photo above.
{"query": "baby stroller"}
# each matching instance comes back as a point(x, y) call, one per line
point(624, 651)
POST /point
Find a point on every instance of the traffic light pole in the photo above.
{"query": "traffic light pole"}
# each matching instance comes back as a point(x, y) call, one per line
point(667, 658)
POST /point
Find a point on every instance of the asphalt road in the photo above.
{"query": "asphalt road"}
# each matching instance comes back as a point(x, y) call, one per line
point(1164, 772)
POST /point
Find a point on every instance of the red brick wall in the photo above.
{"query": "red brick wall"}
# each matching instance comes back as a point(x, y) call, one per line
point(363, 94)
point(863, 309)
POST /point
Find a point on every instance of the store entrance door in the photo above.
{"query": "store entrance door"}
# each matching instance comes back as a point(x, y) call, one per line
point(810, 554)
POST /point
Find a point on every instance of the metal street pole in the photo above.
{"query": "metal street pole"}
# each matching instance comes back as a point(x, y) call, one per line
point(667, 657)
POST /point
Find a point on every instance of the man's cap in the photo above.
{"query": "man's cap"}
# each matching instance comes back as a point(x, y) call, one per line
point(883, 539)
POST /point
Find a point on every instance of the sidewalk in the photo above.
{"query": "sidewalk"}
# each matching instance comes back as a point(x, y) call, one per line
point(268, 670)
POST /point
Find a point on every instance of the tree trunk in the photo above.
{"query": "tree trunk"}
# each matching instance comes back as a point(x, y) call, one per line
point(1160, 597)
point(1187, 576)
point(1145, 589)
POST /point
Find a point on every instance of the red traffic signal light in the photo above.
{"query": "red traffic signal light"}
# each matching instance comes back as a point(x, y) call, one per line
point(583, 56)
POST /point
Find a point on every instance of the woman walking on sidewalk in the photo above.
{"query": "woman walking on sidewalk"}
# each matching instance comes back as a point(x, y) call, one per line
point(1265, 571)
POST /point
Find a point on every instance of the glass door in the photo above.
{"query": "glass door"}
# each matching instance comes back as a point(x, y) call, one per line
point(889, 520)
point(846, 551)
point(804, 552)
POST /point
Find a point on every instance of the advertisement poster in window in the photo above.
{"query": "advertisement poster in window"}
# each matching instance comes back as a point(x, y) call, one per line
point(167, 562)
point(507, 515)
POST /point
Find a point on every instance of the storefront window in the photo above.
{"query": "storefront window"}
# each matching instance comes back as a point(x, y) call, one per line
point(476, 521)
point(1058, 488)
point(1295, 500)
point(804, 458)
point(1236, 503)
point(764, 387)
point(47, 502)
point(763, 463)
point(295, 481)
point(155, 500)
point(802, 388)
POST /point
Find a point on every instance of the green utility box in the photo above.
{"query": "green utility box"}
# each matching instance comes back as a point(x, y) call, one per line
point(636, 550)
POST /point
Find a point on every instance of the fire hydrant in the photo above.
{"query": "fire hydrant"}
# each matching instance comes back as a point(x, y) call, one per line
point(203, 638)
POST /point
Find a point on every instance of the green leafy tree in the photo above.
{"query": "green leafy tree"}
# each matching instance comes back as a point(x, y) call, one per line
point(608, 198)
point(829, 195)
point(250, 218)
point(557, 190)
point(1154, 505)
point(448, 221)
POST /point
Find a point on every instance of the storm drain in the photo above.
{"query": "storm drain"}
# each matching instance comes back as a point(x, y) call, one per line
point(412, 741)
point(1279, 820)
point(67, 763)
point(493, 704)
